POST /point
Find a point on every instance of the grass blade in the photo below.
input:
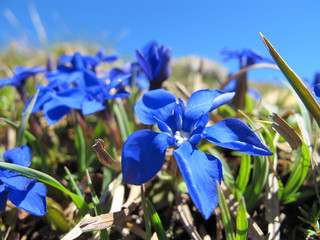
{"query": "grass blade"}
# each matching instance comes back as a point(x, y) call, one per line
point(242, 221)
point(298, 85)
point(225, 215)
point(156, 221)
point(24, 120)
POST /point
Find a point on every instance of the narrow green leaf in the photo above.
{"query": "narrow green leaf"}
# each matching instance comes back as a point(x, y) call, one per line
point(242, 221)
point(299, 172)
point(45, 178)
point(81, 148)
point(297, 84)
point(225, 215)
point(146, 215)
point(73, 182)
point(258, 181)
point(24, 120)
point(244, 174)
point(156, 221)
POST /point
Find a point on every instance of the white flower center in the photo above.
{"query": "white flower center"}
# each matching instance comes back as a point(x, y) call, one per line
point(182, 136)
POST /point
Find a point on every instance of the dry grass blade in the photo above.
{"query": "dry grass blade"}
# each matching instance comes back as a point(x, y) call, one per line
point(182, 89)
point(283, 128)
point(273, 208)
point(103, 156)
point(254, 232)
point(188, 221)
point(105, 220)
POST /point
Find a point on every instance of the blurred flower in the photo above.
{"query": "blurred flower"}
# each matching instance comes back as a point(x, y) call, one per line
point(137, 76)
point(155, 62)
point(183, 127)
point(23, 192)
point(246, 57)
point(20, 75)
point(89, 62)
point(88, 94)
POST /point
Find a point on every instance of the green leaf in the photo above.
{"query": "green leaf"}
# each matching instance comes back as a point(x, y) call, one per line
point(299, 172)
point(24, 120)
point(225, 215)
point(258, 181)
point(244, 174)
point(242, 221)
point(156, 221)
point(298, 85)
point(81, 148)
point(45, 178)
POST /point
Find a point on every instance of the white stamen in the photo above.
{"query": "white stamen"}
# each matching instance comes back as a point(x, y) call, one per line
point(182, 136)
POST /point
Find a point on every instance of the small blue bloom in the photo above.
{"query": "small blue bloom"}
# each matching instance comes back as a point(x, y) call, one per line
point(246, 57)
point(20, 75)
point(88, 94)
point(155, 62)
point(183, 126)
point(23, 192)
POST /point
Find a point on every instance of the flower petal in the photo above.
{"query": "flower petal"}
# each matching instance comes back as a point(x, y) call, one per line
point(33, 200)
point(54, 110)
point(90, 107)
point(145, 65)
point(143, 156)
point(204, 101)
point(156, 103)
point(163, 69)
point(18, 182)
point(200, 171)
point(71, 97)
point(234, 134)
point(3, 197)
point(19, 155)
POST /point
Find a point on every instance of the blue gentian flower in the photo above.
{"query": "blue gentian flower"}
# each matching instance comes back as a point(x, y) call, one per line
point(183, 126)
point(246, 57)
point(88, 62)
point(23, 192)
point(155, 62)
point(20, 75)
point(88, 95)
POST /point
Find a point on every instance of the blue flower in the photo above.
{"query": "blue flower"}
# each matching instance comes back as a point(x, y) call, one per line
point(23, 192)
point(246, 57)
point(183, 126)
point(155, 62)
point(88, 94)
point(81, 62)
point(20, 75)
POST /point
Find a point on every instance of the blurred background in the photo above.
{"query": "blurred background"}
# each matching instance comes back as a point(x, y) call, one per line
point(200, 28)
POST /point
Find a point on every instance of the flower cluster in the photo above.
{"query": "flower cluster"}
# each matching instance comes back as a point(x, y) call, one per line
point(76, 84)
point(23, 192)
point(183, 126)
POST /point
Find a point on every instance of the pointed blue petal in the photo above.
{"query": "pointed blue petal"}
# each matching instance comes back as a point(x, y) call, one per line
point(19, 155)
point(156, 103)
point(145, 65)
point(200, 171)
point(143, 156)
point(33, 200)
point(6, 82)
point(234, 134)
point(204, 101)
point(54, 111)
point(163, 68)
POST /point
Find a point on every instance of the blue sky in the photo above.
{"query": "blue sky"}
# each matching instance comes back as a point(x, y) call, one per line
point(200, 27)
